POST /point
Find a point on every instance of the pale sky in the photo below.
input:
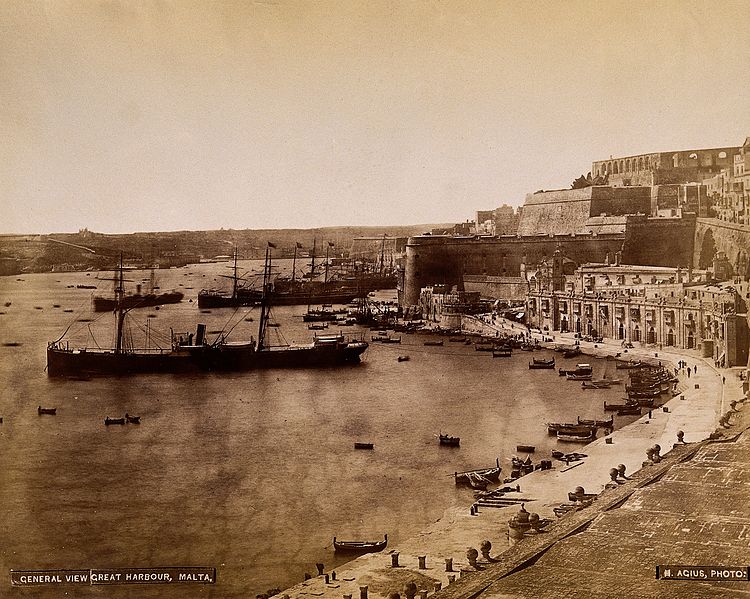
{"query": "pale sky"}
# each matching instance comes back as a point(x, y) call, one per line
point(177, 114)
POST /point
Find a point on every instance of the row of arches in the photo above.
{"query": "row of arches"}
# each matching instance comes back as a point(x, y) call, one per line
point(635, 334)
point(625, 165)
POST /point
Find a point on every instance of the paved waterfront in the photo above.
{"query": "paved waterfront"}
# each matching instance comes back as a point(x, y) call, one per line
point(672, 521)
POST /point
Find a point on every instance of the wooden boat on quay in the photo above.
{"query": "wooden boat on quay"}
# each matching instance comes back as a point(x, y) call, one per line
point(576, 438)
point(599, 423)
point(360, 445)
point(108, 421)
point(359, 546)
point(492, 474)
point(449, 441)
point(613, 407)
point(644, 394)
point(538, 364)
point(585, 369)
point(579, 377)
point(50, 411)
point(630, 364)
point(569, 428)
point(595, 385)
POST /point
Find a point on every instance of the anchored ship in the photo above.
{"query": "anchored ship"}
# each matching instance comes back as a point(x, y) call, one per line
point(191, 353)
point(136, 300)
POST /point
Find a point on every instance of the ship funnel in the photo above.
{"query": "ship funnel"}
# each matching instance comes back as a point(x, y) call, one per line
point(200, 334)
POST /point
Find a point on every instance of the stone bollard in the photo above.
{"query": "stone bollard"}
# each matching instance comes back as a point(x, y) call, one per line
point(485, 547)
point(326, 578)
point(437, 586)
point(422, 562)
point(308, 576)
point(613, 474)
point(449, 564)
point(697, 386)
point(621, 470)
point(534, 522)
point(320, 568)
point(333, 575)
point(394, 559)
point(363, 592)
point(655, 451)
point(665, 409)
point(410, 590)
point(680, 437)
point(471, 556)
point(451, 578)
point(608, 440)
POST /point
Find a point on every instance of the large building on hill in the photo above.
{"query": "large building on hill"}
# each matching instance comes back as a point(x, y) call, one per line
point(660, 168)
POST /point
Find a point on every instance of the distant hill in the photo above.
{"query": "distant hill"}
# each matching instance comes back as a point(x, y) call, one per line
point(89, 250)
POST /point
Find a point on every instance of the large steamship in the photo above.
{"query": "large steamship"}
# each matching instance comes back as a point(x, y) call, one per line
point(189, 353)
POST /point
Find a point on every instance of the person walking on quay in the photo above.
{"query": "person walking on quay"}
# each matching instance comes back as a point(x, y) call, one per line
point(688, 369)
point(695, 369)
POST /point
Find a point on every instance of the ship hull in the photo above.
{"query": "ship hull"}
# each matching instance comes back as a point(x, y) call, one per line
point(210, 300)
point(63, 362)
point(104, 304)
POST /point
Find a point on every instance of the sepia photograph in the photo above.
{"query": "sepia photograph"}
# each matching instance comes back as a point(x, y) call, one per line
point(396, 299)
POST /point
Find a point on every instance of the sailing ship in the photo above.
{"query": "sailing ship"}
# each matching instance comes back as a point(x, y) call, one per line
point(190, 353)
point(282, 292)
point(137, 299)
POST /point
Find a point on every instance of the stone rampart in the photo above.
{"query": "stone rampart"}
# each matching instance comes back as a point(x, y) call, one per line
point(713, 235)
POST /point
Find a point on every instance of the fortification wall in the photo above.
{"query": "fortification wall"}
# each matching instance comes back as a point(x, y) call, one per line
point(563, 211)
point(432, 260)
point(659, 241)
point(713, 235)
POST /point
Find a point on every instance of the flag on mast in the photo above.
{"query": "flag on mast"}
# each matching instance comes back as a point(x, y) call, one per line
point(271, 245)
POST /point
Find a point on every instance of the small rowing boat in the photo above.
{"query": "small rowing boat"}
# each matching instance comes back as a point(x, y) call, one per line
point(597, 423)
point(108, 420)
point(364, 445)
point(449, 441)
point(51, 411)
point(359, 546)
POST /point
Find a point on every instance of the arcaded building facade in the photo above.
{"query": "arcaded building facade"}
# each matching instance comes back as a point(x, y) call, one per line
point(647, 306)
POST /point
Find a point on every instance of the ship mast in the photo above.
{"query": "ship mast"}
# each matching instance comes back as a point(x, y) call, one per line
point(234, 279)
point(382, 254)
point(119, 295)
point(265, 302)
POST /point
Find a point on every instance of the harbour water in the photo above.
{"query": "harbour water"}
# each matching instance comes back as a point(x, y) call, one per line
point(252, 473)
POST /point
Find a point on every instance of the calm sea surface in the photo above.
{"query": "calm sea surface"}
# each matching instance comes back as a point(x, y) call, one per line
point(251, 473)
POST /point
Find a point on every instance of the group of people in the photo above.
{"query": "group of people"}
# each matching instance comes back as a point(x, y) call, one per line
point(683, 365)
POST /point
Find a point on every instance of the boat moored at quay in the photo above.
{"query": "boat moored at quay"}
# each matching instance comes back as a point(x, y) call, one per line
point(193, 353)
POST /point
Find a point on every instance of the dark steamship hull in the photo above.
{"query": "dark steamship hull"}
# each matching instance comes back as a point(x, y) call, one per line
point(104, 304)
point(213, 300)
point(241, 357)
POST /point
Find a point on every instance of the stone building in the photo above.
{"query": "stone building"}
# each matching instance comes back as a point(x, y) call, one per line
point(646, 306)
point(659, 168)
point(729, 190)
point(445, 305)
